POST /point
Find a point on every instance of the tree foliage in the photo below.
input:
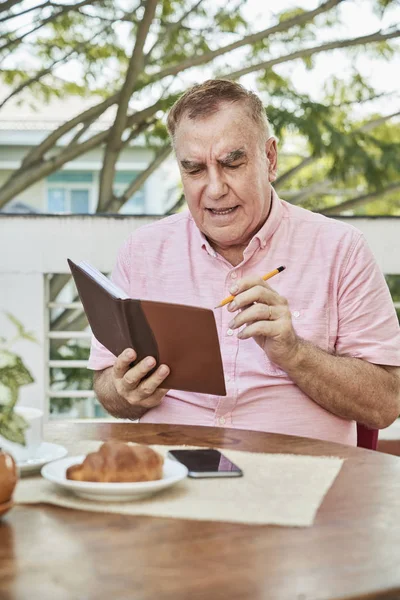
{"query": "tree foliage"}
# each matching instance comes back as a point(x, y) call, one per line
point(136, 56)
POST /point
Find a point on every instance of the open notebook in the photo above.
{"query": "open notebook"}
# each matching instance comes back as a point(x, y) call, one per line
point(183, 337)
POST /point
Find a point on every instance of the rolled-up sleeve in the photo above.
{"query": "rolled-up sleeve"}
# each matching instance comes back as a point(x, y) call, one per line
point(368, 327)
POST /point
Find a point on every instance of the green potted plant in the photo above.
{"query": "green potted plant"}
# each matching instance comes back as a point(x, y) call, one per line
point(13, 374)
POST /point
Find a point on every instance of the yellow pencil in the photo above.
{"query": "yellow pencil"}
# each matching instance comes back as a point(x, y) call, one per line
point(264, 277)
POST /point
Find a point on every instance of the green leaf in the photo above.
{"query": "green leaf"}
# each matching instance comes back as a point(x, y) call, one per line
point(22, 333)
point(8, 360)
point(5, 395)
point(308, 62)
point(17, 372)
point(26, 335)
point(16, 322)
point(290, 14)
point(13, 429)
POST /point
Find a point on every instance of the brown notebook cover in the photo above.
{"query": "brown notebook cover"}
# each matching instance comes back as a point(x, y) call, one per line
point(183, 337)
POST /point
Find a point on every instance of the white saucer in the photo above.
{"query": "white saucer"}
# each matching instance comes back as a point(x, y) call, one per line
point(44, 454)
point(55, 472)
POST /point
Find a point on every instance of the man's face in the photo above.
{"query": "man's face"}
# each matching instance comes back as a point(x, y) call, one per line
point(226, 172)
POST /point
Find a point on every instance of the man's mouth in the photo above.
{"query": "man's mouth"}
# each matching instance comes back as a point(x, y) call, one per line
point(222, 211)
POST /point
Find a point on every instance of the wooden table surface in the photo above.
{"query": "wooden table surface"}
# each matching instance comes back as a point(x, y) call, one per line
point(352, 550)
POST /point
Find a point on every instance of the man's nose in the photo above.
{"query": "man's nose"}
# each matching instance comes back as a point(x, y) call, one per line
point(217, 187)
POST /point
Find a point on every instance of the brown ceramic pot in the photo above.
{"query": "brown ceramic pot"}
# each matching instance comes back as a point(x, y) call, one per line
point(8, 477)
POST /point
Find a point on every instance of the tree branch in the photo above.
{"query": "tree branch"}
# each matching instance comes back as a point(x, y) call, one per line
point(378, 121)
point(23, 12)
point(36, 155)
point(114, 139)
point(24, 178)
point(49, 69)
point(247, 40)
point(7, 4)
point(64, 320)
point(57, 283)
point(20, 180)
point(366, 39)
point(137, 131)
point(116, 202)
point(92, 113)
point(314, 188)
point(41, 24)
point(178, 204)
point(125, 16)
point(280, 181)
point(170, 28)
point(80, 132)
point(36, 78)
point(364, 198)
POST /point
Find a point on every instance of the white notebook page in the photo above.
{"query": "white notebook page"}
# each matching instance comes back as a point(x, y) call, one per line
point(106, 283)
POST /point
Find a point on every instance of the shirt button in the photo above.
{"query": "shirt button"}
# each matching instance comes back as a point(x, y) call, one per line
point(227, 378)
point(296, 314)
point(229, 332)
point(222, 421)
point(234, 275)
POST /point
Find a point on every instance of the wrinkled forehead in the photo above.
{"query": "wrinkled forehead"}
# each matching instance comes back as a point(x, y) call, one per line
point(223, 131)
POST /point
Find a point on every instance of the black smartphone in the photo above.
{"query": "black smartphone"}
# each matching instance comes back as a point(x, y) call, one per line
point(206, 462)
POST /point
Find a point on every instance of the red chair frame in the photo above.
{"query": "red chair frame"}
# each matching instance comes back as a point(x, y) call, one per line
point(367, 438)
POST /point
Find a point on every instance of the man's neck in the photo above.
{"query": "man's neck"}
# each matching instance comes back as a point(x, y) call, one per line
point(233, 255)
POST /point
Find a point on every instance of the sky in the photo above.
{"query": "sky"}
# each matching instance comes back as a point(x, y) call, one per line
point(357, 19)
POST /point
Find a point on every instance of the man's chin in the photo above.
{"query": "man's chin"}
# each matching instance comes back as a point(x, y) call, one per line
point(225, 242)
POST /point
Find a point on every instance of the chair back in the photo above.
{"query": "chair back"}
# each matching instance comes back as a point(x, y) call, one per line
point(367, 438)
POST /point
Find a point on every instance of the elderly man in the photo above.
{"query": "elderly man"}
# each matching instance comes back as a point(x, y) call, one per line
point(310, 354)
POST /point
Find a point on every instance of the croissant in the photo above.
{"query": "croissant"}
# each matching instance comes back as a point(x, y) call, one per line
point(119, 462)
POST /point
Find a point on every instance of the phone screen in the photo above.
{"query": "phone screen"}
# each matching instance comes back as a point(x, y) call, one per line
point(206, 463)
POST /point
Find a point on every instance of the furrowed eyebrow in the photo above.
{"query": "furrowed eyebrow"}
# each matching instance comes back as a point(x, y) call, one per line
point(233, 156)
point(188, 165)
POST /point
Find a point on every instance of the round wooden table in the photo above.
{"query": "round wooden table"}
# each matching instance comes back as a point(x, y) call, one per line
point(352, 550)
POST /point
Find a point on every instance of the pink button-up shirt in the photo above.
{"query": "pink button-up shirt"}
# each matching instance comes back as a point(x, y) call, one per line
point(338, 298)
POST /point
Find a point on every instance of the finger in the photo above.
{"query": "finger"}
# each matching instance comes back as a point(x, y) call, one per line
point(245, 284)
point(155, 399)
point(248, 282)
point(254, 313)
point(151, 384)
point(123, 362)
point(260, 328)
point(258, 293)
point(133, 377)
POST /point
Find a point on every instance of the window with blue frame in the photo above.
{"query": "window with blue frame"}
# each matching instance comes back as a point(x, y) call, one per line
point(74, 192)
point(70, 192)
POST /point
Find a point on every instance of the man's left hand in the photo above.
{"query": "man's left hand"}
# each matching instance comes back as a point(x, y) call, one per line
point(266, 317)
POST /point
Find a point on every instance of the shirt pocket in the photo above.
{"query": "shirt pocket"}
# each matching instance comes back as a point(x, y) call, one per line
point(311, 325)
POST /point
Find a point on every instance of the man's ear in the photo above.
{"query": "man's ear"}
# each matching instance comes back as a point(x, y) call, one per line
point(271, 153)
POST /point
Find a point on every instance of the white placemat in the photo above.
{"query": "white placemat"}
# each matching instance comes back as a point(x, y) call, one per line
point(276, 489)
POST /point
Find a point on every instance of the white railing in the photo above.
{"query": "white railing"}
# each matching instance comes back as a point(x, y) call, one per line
point(32, 248)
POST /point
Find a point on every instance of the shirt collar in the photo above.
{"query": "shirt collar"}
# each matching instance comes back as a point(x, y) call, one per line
point(262, 236)
point(272, 223)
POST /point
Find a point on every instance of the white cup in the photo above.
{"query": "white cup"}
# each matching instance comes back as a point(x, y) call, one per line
point(33, 435)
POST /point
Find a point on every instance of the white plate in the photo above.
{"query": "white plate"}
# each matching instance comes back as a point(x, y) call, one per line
point(44, 454)
point(55, 472)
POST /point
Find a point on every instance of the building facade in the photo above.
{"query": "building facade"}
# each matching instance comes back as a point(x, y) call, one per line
point(74, 188)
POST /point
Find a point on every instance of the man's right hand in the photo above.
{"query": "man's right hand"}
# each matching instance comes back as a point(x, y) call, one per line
point(131, 386)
